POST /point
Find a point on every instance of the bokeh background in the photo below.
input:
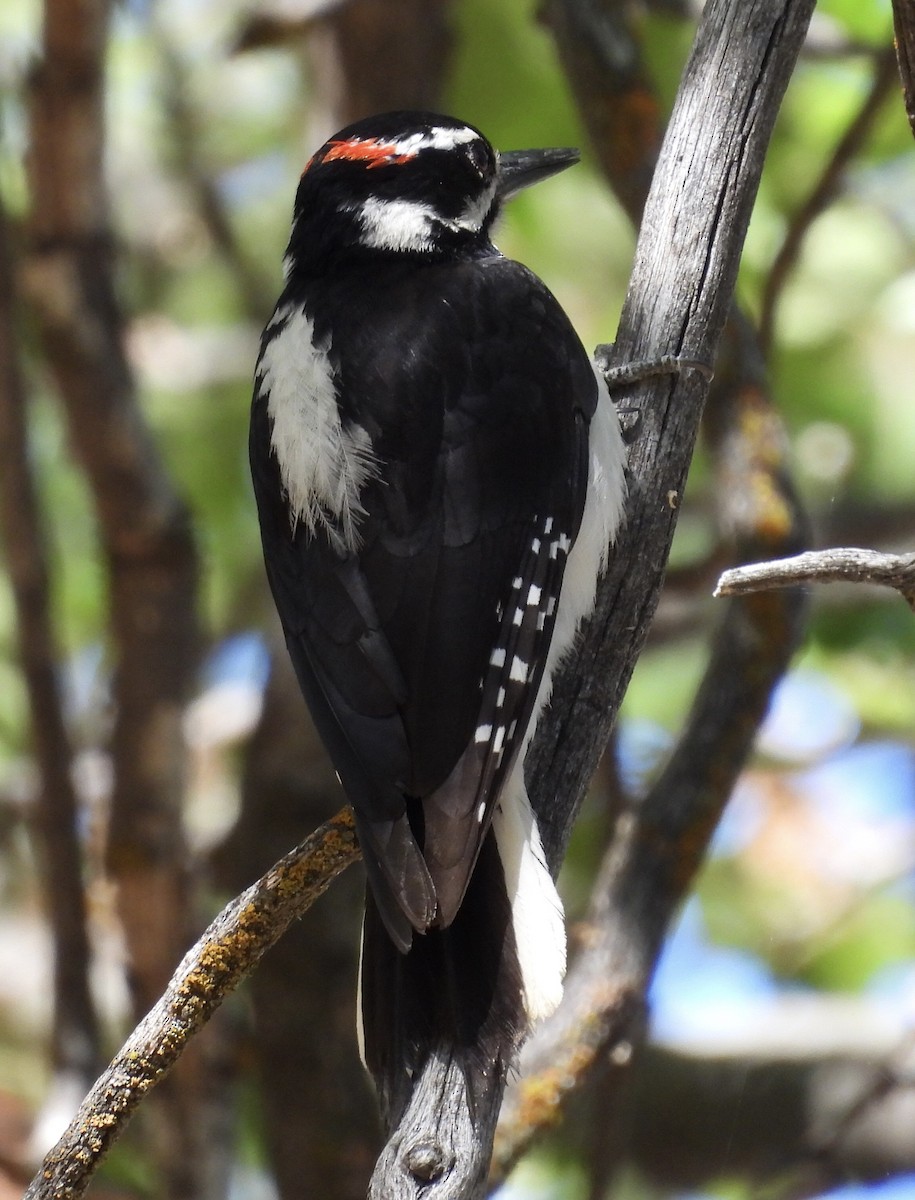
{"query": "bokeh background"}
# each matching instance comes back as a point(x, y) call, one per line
point(781, 1054)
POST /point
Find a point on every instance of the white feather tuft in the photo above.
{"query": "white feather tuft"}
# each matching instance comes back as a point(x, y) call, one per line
point(322, 465)
point(537, 916)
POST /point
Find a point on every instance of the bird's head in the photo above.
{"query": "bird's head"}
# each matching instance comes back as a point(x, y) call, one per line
point(407, 183)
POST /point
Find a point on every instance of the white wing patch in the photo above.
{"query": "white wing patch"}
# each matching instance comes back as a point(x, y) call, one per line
point(323, 465)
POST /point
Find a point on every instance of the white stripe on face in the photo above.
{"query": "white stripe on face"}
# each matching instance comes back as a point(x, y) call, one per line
point(436, 138)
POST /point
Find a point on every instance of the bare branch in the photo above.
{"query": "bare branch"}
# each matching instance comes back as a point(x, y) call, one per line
point(841, 565)
point(601, 1018)
point(227, 951)
point(660, 841)
point(678, 299)
point(686, 263)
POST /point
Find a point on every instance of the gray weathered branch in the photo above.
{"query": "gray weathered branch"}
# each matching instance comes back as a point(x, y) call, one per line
point(678, 299)
point(660, 839)
point(840, 565)
point(686, 263)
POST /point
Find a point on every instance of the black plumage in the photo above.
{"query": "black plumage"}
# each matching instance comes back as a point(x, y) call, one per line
point(419, 636)
point(476, 395)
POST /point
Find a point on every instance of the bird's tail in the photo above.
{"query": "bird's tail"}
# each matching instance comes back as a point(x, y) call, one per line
point(456, 996)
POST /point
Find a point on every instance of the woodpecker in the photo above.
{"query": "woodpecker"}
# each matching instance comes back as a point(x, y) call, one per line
point(439, 474)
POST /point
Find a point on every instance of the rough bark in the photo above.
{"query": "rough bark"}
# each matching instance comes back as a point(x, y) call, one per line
point(678, 299)
point(661, 839)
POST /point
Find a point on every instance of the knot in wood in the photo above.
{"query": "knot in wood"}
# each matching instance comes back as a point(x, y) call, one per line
point(427, 1161)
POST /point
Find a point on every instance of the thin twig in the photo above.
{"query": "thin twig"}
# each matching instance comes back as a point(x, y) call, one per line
point(254, 285)
point(224, 955)
point(840, 565)
point(825, 189)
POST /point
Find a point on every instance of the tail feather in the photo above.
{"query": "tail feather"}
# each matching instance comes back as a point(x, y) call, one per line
point(457, 992)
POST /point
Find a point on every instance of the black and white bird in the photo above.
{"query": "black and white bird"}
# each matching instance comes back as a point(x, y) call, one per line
point(439, 474)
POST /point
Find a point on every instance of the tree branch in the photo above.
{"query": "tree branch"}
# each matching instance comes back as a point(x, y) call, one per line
point(601, 1017)
point(904, 26)
point(685, 268)
point(826, 187)
point(144, 526)
point(678, 299)
point(228, 950)
point(661, 840)
point(686, 263)
point(824, 566)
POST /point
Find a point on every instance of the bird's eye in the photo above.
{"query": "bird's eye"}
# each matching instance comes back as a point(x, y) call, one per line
point(476, 152)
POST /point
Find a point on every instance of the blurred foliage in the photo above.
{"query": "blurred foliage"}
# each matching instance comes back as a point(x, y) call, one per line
point(843, 373)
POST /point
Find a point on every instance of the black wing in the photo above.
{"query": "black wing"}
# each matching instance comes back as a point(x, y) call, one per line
point(421, 650)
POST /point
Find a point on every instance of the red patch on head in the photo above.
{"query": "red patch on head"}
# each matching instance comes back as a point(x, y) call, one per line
point(372, 151)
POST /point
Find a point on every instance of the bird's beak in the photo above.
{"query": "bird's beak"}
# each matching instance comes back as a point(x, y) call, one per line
point(520, 168)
